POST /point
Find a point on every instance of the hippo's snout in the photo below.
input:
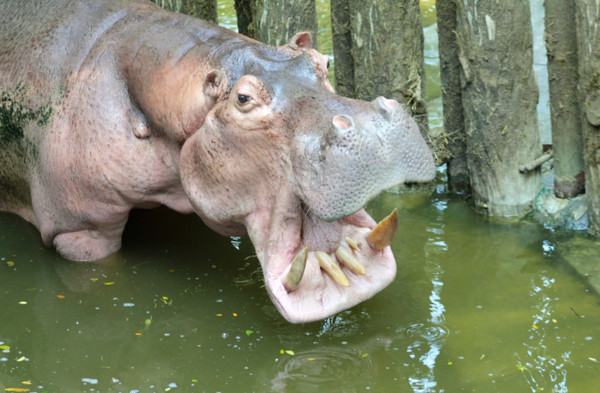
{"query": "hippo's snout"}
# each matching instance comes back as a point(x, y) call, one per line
point(359, 155)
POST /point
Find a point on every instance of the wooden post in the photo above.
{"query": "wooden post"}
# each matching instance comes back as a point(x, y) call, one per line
point(387, 51)
point(499, 94)
point(454, 123)
point(203, 9)
point(276, 22)
point(561, 45)
point(342, 48)
point(588, 37)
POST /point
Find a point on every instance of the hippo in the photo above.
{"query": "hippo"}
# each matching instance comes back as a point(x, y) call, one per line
point(108, 106)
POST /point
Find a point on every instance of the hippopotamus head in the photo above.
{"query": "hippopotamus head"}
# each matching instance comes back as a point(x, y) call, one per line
point(284, 159)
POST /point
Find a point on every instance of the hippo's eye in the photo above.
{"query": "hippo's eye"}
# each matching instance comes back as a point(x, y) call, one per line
point(242, 99)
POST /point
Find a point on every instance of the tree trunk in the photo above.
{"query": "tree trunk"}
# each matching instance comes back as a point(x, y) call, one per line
point(561, 45)
point(499, 94)
point(454, 123)
point(203, 9)
point(387, 51)
point(244, 11)
point(342, 48)
point(588, 36)
point(275, 23)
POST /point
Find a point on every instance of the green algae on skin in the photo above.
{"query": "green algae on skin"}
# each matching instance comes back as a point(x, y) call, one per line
point(14, 114)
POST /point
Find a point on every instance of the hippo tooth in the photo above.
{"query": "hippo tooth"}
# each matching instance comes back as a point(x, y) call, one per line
point(332, 268)
point(383, 234)
point(294, 276)
point(345, 256)
point(352, 243)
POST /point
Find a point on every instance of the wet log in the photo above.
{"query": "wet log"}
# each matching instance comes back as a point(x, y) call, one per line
point(276, 22)
point(561, 45)
point(386, 50)
point(454, 123)
point(203, 9)
point(588, 44)
point(499, 94)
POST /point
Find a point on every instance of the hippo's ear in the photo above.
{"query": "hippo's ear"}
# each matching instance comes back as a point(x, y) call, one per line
point(215, 84)
point(301, 41)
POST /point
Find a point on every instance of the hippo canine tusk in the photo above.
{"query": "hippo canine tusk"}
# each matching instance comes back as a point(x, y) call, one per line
point(345, 256)
point(352, 243)
point(332, 268)
point(383, 234)
point(294, 276)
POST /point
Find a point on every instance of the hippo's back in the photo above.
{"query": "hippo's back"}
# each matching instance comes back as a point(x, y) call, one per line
point(42, 41)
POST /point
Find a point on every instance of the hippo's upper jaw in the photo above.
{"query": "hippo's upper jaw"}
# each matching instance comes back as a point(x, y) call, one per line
point(293, 166)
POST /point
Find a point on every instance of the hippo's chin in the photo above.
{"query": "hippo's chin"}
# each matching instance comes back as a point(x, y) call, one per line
point(314, 269)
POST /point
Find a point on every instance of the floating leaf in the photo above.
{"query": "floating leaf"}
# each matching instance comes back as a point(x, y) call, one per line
point(311, 359)
point(194, 380)
point(21, 359)
point(289, 352)
point(5, 347)
point(138, 334)
point(26, 382)
point(534, 326)
point(521, 368)
point(16, 390)
point(234, 314)
point(10, 263)
point(594, 360)
point(94, 279)
point(22, 302)
point(60, 296)
point(364, 355)
point(249, 332)
point(109, 283)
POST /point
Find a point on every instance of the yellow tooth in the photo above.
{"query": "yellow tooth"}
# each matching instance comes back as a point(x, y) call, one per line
point(352, 243)
point(294, 276)
point(345, 256)
point(332, 268)
point(383, 234)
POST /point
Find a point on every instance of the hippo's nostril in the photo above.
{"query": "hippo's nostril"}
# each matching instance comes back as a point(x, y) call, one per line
point(385, 106)
point(343, 122)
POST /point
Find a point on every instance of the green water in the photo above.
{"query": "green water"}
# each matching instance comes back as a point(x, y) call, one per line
point(475, 307)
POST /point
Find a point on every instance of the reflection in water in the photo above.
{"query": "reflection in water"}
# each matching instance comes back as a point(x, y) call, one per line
point(434, 335)
point(537, 363)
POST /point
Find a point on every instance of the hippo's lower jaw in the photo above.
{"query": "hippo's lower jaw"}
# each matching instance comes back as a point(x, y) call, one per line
point(314, 269)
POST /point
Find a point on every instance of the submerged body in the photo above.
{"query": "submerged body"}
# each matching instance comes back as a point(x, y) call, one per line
point(109, 106)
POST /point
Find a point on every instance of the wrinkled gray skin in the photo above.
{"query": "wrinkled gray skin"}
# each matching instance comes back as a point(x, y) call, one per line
point(152, 108)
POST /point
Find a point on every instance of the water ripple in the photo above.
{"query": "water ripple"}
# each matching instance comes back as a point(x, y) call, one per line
point(324, 370)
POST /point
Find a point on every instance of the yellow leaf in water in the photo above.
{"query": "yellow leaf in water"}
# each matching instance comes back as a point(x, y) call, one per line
point(23, 302)
point(94, 279)
point(534, 326)
point(289, 352)
point(60, 296)
point(10, 263)
point(16, 390)
point(364, 355)
point(26, 382)
point(109, 283)
point(4, 346)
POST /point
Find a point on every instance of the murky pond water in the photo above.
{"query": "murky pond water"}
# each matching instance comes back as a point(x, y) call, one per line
point(475, 307)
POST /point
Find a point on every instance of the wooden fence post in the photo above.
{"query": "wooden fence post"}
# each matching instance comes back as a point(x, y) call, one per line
point(276, 22)
point(203, 9)
point(499, 94)
point(561, 45)
point(387, 52)
point(588, 37)
point(454, 122)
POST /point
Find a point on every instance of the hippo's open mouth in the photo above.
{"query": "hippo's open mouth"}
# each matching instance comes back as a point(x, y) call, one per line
point(314, 269)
